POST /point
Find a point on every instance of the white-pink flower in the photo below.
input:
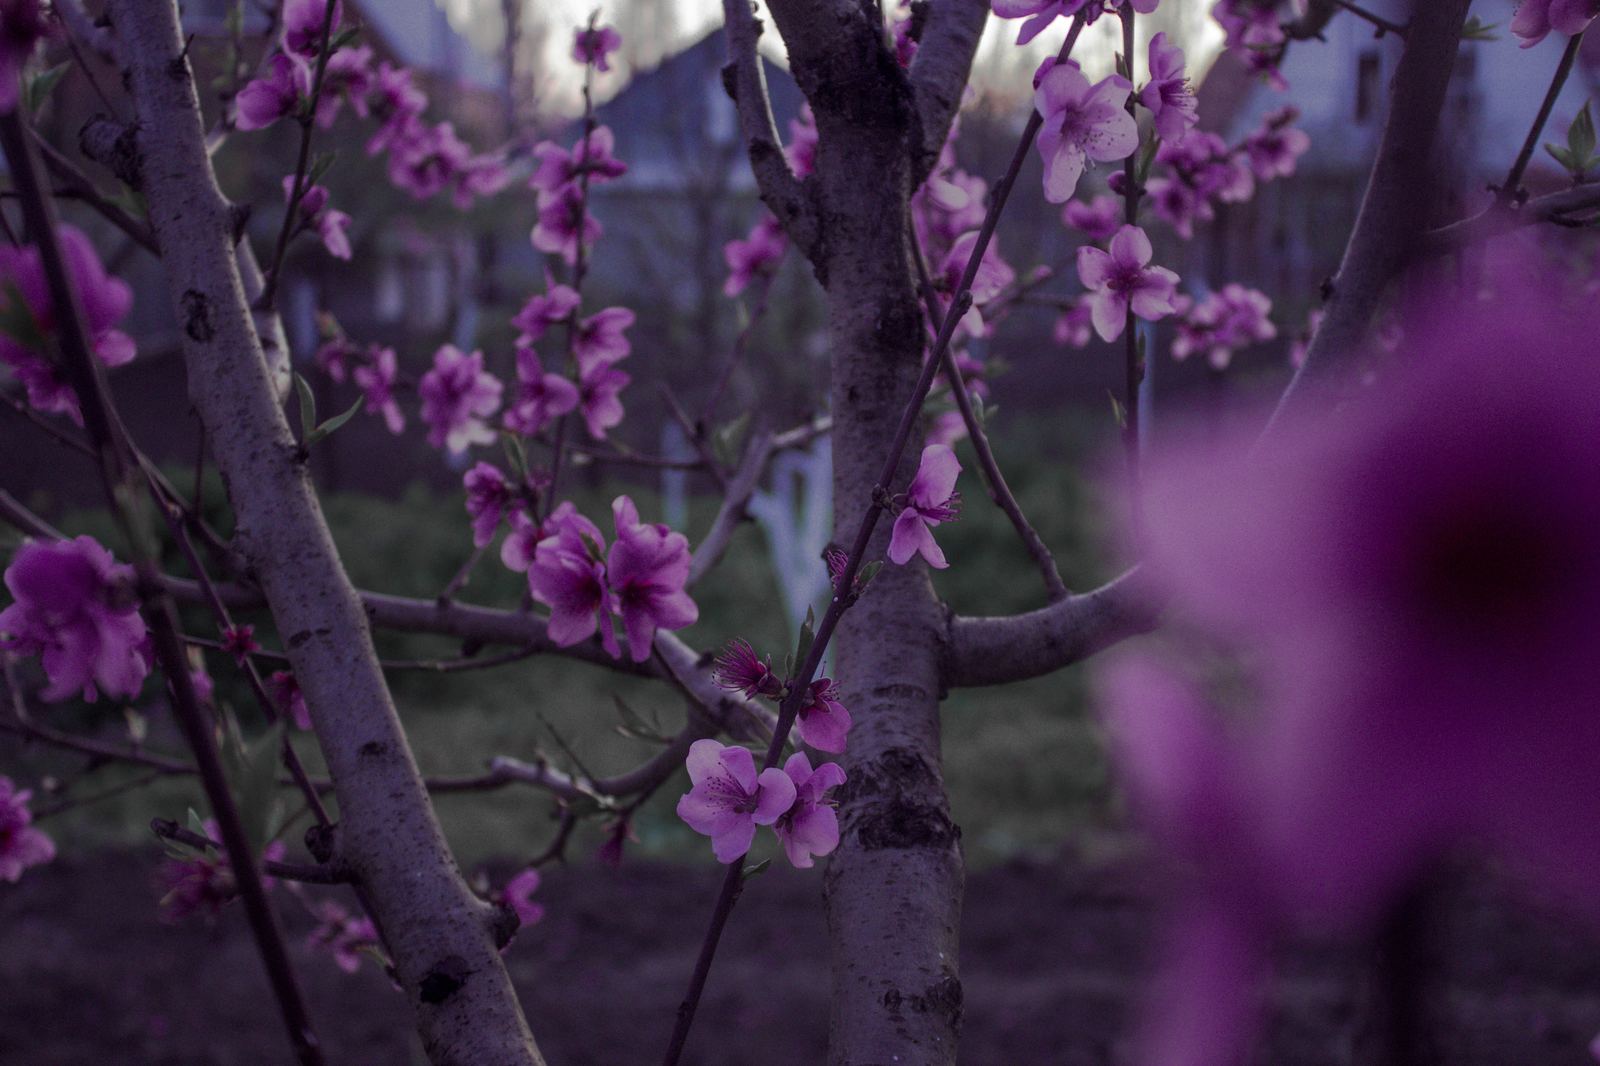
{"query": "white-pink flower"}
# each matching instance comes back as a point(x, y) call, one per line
point(458, 395)
point(929, 500)
point(1122, 278)
point(1082, 122)
point(729, 799)
point(1167, 94)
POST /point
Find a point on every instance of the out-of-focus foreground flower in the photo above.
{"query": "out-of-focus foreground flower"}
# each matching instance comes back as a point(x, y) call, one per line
point(1415, 582)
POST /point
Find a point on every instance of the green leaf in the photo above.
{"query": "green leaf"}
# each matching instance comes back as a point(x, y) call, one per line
point(17, 321)
point(1581, 139)
point(1147, 159)
point(725, 440)
point(808, 633)
point(197, 825)
point(343, 37)
point(41, 85)
point(1478, 30)
point(319, 167)
point(332, 425)
point(867, 572)
point(256, 785)
point(308, 404)
point(1118, 412)
point(755, 870)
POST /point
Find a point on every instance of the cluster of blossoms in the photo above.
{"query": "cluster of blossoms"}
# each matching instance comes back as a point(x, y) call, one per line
point(1417, 583)
point(639, 581)
point(21, 845)
point(458, 398)
point(329, 225)
point(1221, 323)
point(729, 799)
point(28, 318)
point(822, 721)
point(75, 608)
point(203, 882)
point(424, 159)
point(1253, 32)
point(596, 345)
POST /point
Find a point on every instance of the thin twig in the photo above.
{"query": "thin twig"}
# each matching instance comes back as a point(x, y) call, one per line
point(1511, 188)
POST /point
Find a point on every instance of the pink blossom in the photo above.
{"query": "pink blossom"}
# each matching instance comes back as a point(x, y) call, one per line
point(1536, 18)
point(801, 151)
point(265, 100)
point(105, 301)
point(1252, 32)
point(75, 608)
point(1041, 13)
point(618, 833)
point(1082, 122)
point(739, 670)
point(568, 575)
point(823, 722)
point(488, 498)
point(329, 224)
point(397, 102)
point(348, 76)
point(758, 253)
point(1224, 321)
point(479, 176)
point(1073, 327)
point(729, 799)
point(592, 45)
point(458, 395)
point(345, 937)
point(1273, 149)
point(376, 380)
point(516, 551)
point(1122, 278)
point(22, 23)
point(1098, 220)
point(540, 397)
point(21, 845)
point(425, 159)
point(993, 276)
point(646, 571)
point(542, 311)
point(302, 25)
point(289, 700)
point(1167, 94)
point(518, 895)
point(599, 388)
point(1176, 203)
point(590, 155)
point(929, 500)
point(334, 355)
point(240, 642)
point(564, 224)
point(205, 689)
point(809, 827)
point(599, 338)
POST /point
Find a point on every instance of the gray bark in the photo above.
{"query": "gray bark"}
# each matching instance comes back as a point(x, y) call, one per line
point(437, 931)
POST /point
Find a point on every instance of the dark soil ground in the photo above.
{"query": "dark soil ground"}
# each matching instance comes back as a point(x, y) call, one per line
point(1052, 957)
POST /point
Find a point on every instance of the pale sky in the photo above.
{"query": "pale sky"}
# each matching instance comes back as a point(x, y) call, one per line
point(653, 28)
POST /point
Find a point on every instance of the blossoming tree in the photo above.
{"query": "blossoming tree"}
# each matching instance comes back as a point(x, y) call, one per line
point(1405, 558)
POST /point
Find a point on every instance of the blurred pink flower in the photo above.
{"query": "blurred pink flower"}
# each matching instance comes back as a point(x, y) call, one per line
point(76, 609)
point(289, 700)
point(1274, 148)
point(343, 936)
point(591, 46)
point(564, 224)
point(754, 254)
point(240, 642)
point(810, 826)
point(302, 25)
point(599, 339)
point(543, 310)
point(1536, 18)
point(1097, 220)
point(396, 102)
point(488, 498)
point(929, 500)
point(540, 397)
point(518, 895)
point(376, 380)
point(347, 77)
point(105, 300)
point(458, 396)
point(1122, 278)
point(646, 570)
point(265, 100)
point(801, 151)
point(599, 388)
point(330, 225)
point(1073, 327)
point(425, 159)
point(590, 155)
point(729, 799)
point(205, 883)
point(1082, 122)
point(21, 845)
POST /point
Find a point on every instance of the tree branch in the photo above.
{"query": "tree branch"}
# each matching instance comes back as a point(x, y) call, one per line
point(1558, 207)
point(746, 83)
point(1395, 208)
point(430, 918)
point(736, 499)
point(997, 650)
point(939, 74)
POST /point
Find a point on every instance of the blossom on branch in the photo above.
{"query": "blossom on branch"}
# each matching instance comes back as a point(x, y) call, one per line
point(929, 500)
point(1097, 220)
point(740, 670)
point(590, 156)
point(518, 895)
point(565, 225)
point(729, 799)
point(540, 397)
point(330, 225)
point(458, 395)
point(823, 722)
point(302, 25)
point(1121, 279)
point(593, 45)
point(568, 575)
point(555, 305)
point(204, 883)
point(75, 608)
point(810, 827)
point(265, 100)
point(342, 935)
point(21, 845)
point(1167, 95)
point(1082, 122)
point(646, 570)
point(377, 379)
point(756, 254)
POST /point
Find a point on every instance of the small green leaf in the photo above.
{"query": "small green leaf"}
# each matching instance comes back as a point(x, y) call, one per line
point(319, 167)
point(332, 425)
point(1478, 30)
point(1147, 159)
point(755, 870)
point(138, 726)
point(343, 37)
point(867, 572)
point(808, 633)
point(308, 404)
point(1581, 139)
point(1118, 412)
point(197, 825)
point(256, 785)
point(41, 85)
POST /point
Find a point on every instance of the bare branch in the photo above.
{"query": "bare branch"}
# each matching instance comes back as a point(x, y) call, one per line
point(741, 486)
point(997, 650)
point(1562, 208)
point(939, 74)
point(746, 82)
point(1395, 207)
